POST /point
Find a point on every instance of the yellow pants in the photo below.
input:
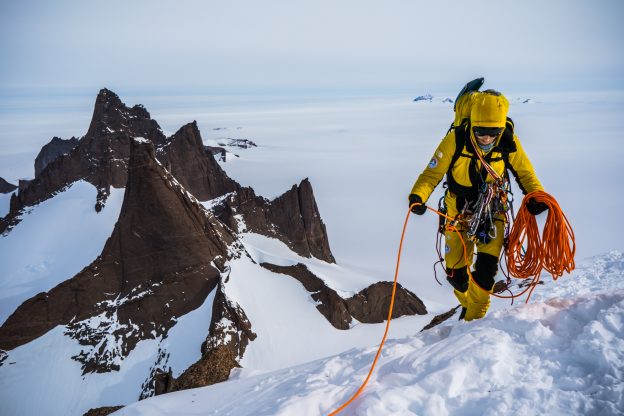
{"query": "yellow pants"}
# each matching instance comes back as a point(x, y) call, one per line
point(476, 299)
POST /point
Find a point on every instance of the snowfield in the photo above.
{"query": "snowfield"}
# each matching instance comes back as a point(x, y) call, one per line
point(559, 357)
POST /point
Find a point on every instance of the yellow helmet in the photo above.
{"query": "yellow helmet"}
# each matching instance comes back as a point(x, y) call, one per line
point(489, 109)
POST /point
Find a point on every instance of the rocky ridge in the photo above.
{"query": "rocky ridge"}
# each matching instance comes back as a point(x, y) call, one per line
point(6, 187)
point(54, 149)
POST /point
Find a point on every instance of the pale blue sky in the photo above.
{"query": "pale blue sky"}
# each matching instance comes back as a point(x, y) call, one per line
point(283, 44)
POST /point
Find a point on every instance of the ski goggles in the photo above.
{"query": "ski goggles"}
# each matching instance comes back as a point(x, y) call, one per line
point(487, 131)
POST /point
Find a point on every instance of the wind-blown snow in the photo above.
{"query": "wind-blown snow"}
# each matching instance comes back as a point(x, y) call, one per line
point(53, 242)
point(560, 357)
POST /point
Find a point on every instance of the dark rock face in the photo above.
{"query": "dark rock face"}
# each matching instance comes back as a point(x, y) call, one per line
point(213, 367)
point(438, 319)
point(102, 411)
point(55, 148)
point(369, 305)
point(156, 266)
point(293, 218)
point(229, 328)
point(185, 157)
point(297, 217)
point(6, 187)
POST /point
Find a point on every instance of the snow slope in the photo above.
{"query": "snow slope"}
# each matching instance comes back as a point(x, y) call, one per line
point(564, 356)
point(53, 242)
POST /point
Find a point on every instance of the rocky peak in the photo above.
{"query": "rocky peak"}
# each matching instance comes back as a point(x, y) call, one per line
point(296, 215)
point(185, 157)
point(49, 152)
point(6, 187)
point(292, 218)
point(110, 112)
point(100, 157)
point(158, 264)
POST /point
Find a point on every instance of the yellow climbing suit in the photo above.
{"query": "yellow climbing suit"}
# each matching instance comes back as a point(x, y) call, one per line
point(486, 110)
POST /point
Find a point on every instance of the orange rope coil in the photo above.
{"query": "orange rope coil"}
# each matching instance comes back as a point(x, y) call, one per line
point(553, 251)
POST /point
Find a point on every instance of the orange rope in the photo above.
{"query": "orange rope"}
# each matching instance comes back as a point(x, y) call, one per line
point(553, 251)
point(385, 335)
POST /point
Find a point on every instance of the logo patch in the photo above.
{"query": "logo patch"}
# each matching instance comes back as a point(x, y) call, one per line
point(440, 154)
point(447, 249)
point(433, 163)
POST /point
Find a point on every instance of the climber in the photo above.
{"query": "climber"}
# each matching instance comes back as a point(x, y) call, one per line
point(476, 197)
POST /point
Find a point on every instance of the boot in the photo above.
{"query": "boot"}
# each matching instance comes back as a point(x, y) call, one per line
point(461, 297)
point(477, 302)
point(463, 301)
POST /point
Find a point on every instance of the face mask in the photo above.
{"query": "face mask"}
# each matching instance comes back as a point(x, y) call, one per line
point(486, 147)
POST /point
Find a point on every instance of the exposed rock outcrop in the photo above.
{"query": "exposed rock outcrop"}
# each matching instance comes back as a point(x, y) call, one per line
point(229, 334)
point(157, 265)
point(6, 187)
point(49, 152)
point(293, 218)
point(438, 319)
point(369, 305)
point(185, 157)
point(102, 411)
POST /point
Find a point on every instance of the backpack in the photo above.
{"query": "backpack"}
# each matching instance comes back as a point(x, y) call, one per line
point(461, 125)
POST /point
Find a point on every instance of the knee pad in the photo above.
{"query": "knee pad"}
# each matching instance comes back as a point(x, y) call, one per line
point(486, 268)
point(458, 278)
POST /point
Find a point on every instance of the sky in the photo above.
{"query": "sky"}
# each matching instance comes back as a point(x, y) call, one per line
point(292, 44)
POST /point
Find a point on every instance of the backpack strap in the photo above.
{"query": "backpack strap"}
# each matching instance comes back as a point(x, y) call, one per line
point(505, 146)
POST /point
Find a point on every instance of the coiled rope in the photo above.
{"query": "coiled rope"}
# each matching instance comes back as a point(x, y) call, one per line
point(528, 253)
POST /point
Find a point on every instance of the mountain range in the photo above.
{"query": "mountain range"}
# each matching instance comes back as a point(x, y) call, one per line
point(179, 246)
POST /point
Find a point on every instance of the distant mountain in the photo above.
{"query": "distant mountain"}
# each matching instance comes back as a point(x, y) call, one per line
point(426, 97)
point(430, 98)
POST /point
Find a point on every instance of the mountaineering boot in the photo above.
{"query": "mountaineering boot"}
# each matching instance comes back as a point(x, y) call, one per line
point(461, 297)
point(463, 301)
point(478, 302)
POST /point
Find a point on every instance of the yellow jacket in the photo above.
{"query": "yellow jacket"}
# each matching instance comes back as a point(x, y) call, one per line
point(466, 171)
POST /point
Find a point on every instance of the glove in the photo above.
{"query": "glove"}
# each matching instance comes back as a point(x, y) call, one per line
point(417, 209)
point(535, 207)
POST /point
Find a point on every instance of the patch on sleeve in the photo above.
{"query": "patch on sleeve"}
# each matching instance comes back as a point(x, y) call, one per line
point(440, 154)
point(433, 163)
